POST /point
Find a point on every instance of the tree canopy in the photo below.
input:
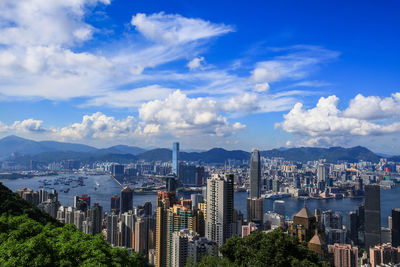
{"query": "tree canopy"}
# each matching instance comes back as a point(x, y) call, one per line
point(25, 242)
point(263, 249)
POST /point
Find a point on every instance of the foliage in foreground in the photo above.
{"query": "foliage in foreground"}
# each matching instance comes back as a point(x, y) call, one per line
point(12, 204)
point(25, 242)
point(260, 249)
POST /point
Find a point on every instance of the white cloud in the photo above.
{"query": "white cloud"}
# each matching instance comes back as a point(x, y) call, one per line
point(325, 123)
point(44, 22)
point(24, 126)
point(29, 125)
point(261, 87)
point(195, 63)
point(176, 29)
point(180, 115)
point(130, 98)
point(98, 126)
point(299, 63)
point(373, 107)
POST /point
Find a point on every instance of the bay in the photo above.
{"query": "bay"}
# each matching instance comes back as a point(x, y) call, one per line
point(107, 187)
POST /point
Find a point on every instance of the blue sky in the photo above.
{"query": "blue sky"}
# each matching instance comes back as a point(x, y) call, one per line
point(230, 74)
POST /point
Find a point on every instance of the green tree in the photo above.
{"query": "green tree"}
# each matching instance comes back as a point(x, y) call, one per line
point(264, 249)
point(25, 242)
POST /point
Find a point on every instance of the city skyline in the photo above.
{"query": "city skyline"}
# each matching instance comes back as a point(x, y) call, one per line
point(146, 74)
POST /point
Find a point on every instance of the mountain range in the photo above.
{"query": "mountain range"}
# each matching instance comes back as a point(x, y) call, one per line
point(23, 150)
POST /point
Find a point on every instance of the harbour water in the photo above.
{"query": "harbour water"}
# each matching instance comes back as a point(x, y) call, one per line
point(101, 187)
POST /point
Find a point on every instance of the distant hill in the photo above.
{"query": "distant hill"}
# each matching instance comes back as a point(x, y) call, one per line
point(87, 157)
point(215, 155)
point(16, 145)
point(25, 150)
point(162, 154)
point(21, 147)
point(122, 149)
point(332, 154)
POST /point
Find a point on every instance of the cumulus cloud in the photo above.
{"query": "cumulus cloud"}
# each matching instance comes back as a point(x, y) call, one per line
point(373, 107)
point(24, 126)
point(181, 115)
point(98, 126)
point(175, 29)
point(195, 63)
point(326, 123)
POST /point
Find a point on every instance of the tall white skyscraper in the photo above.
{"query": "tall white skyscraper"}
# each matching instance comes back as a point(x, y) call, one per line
point(219, 208)
point(175, 158)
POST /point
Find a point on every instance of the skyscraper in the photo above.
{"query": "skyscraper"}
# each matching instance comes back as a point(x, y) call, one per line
point(180, 216)
point(141, 237)
point(126, 199)
point(255, 174)
point(96, 213)
point(255, 210)
point(322, 173)
point(180, 245)
point(165, 200)
point(395, 227)
point(127, 228)
point(115, 204)
point(219, 208)
point(112, 229)
point(175, 158)
point(372, 215)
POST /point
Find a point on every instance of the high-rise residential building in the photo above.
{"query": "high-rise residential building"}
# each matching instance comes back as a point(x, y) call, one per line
point(383, 255)
point(165, 200)
point(344, 255)
point(127, 229)
point(396, 227)
point(179, 216)
point(255, 174)
point(279, 207)
point(219, 218)
point(96, 218)
point(322, 173)
point(115, 204)
point(69, 215)
point(372, 216)
point(179, 247)
point(255, 210)
point(126, 199)
point(141, 238)
point(112, 229)
point(175, 158)
point(79, 217)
